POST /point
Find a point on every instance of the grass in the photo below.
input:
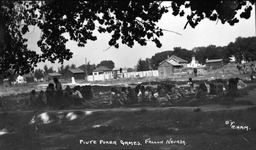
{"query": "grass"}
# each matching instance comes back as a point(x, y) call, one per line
point(199, 130)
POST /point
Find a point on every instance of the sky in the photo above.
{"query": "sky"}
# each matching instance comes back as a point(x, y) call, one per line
point(204, 34)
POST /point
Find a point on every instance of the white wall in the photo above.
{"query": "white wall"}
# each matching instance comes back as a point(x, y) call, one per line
point(101, 77)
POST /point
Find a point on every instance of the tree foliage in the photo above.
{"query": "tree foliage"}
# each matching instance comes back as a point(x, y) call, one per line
point(211, 52)
point(39, 74)
point(128, 22)
point(61, 70)
point(107, 63)
point(178, 51)
point(89, 67)
point(72, 66)
point(243, 49)
point(200, 53)
point(48, 70)
point(142, 65)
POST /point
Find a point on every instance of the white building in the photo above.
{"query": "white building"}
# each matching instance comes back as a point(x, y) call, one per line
point(20, 79)
point(102, 73)
point(194, 63)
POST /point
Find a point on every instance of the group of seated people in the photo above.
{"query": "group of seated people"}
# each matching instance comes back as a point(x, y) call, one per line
point(142, 94)
point(172, 93)
point(55, 97)
point(223, 87)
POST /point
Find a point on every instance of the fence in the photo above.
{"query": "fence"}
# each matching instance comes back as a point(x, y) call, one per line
point(101, 77)
point(151, 73)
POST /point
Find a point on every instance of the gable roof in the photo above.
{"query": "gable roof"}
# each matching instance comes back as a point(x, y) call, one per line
point(177, 59)
point(102, 68)
point(171, 62)
point(174, 60)
point(54, 74)
point(213, 60)
point(78, 70)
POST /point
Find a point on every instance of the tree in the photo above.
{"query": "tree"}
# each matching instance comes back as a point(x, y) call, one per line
point(142, 65)
point(73, 66)
point(48, 70)
point(39, 74)
point(90, 68)
point(159, 57)
point(127, 21)
point(183, 53)
point(243, 49)
point(211, 52)
point(45, 68)
point(61, 69)
point(130, 70)
point(107, 63)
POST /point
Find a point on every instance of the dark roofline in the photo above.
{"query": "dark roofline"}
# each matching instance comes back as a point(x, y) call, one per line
point(178, 59)
point(54, 74)
point(102, 68)
point(213, 60)
point(77, 69)
point(168, 63)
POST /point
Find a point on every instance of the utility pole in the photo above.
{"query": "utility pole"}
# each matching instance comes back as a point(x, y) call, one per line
point(85, 69)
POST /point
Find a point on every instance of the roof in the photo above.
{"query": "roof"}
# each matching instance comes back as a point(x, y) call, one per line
point(177, 59)
point(54, 74)
point(213, 60)
point(172, 62)
point(102, 68)
point(29, 75)
point(76, 70)
point(118, 68)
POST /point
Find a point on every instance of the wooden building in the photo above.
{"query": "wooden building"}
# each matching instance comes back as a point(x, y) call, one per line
point(30, 77)
point(167, 67)
point(102, 70)
point(49, 76)
point(118, 72)
point(214, 63)
point(76, 73)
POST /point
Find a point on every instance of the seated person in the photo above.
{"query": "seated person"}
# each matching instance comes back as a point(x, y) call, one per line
point(148, 94)
point(131, 96)
point(240, 83)
point(49, 93)
point(124, 95)
point(201, 92)
point(77, 96)
point(41, 99)
point(68, 96)
point(113, 96)
point(68, 90)
point(191, 85)
point(208, 87)
point(213, 89)
point(232, 87)
point(119, 97)
point(139, 96)
point(175, 93)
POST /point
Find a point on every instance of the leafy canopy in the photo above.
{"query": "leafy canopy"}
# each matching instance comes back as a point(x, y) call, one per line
point(128, 22)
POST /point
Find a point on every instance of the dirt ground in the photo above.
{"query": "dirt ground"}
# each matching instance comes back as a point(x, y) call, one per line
point(208, 125)
point(165, 128)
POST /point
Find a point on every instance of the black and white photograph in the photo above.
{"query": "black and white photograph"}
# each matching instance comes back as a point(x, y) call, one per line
point(127, 74)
